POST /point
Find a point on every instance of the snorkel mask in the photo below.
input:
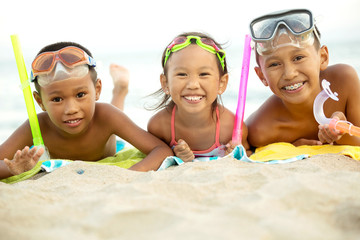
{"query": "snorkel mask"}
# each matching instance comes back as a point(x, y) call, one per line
point(285, 28)
point(68, 62)
point(61, 72)
point(205, 43)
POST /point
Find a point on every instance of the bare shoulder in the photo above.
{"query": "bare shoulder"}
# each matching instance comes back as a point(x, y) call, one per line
point(105, 108)
point(226, 114)
point(341, 75)
point(107, 112)
point(269, 108)
point(160, 124)
point(266, 117)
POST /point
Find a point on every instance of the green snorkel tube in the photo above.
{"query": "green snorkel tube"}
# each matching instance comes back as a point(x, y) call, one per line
point(30, 107)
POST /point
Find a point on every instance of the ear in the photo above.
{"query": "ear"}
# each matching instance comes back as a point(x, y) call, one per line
point(223, 83)
point(98, 87)
point(324, 57)
point(261, 76)
point(39, 100)
point(164, 84)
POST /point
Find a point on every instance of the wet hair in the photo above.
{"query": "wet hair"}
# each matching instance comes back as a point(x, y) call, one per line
point(166, 101)
point(317, 44)
point(59, 45)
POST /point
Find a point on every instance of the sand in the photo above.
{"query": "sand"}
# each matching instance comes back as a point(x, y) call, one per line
point(317, 198)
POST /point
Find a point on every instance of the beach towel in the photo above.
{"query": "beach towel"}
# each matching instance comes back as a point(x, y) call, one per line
point(124, 159)
point(276, 153)
point(284, 150)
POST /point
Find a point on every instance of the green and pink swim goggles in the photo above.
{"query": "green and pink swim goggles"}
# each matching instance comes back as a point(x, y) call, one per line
point(285, 28)
point(205, 43)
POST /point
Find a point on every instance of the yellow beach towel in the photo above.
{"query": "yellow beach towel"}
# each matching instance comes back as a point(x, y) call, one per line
point(281, 151)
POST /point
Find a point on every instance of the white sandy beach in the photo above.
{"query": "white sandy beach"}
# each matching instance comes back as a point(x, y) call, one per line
point(316, 198)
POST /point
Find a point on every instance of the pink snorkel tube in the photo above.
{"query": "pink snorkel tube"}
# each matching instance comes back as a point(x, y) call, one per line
point(237, 131)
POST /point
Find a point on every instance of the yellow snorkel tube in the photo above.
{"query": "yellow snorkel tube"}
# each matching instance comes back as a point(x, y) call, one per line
point(30, 107)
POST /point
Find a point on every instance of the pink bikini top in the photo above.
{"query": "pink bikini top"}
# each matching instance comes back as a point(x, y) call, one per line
point(203, 152)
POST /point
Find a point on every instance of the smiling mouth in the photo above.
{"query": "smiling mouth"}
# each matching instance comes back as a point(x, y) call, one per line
point(193, 98)
point(72, 121)
point(294, 86)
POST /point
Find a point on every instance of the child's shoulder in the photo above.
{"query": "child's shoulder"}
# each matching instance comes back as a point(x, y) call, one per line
point(106, 112)
point(160, 124)
point(161, 117)
point(163, 113)
point(342, 77)
point(340, 72)
point(225, 113)
point(104, 108)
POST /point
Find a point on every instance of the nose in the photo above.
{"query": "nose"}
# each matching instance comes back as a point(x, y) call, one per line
point(193, 83)
point(71, 107)
point(290, 71)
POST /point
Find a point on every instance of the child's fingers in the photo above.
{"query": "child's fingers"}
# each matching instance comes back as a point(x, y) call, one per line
point(38, 154)
point(304, 141)
point(33, 150)
point(17, 155)
point(25, 152)
point(183, 153)
point(186, 157)
point(328, 135)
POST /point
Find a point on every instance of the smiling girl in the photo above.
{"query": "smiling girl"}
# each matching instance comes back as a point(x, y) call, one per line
point(191, 120)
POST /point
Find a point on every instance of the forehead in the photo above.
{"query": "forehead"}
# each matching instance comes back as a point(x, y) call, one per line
point(68, 85)
point(286, 51)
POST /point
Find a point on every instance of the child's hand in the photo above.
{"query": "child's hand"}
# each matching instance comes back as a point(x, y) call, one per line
point(229, 147)
point(24, 160)
point(183, 151)
point(303, 141)
point(329, 135)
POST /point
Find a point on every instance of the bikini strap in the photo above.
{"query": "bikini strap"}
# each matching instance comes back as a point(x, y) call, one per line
point(217, 136)
point(173, 142)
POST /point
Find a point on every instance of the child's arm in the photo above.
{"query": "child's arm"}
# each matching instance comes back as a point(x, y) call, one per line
point(345, 81)
point(22, 160)
point(144, 141)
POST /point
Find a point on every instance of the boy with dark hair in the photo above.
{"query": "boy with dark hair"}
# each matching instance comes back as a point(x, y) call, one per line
point(292, 63)
point(73, 125)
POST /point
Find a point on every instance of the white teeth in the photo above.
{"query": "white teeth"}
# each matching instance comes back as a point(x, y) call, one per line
point(73, 121)
point(193, 98)
point(293, 87)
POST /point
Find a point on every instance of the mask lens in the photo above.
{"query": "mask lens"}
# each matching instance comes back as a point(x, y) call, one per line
point(209, 42)
point(71, 56)
point(43, 62)
point(299, 22)
point(179, 40)
point(264, 29)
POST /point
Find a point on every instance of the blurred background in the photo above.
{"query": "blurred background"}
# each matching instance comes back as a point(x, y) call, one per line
point(135, 33)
